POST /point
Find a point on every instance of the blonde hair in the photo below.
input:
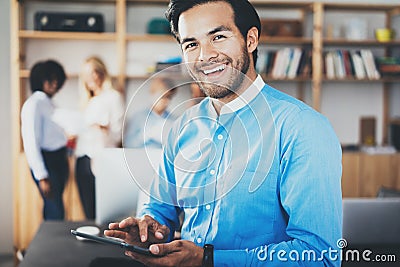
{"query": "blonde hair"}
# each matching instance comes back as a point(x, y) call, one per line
point(101, 70)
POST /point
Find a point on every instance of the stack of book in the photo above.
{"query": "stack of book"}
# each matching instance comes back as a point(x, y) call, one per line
point(389, 66)
point(343, 64)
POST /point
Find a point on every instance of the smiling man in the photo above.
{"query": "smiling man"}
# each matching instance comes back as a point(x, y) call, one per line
point(255, 172)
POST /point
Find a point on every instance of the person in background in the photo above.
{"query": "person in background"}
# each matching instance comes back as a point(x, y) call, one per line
point(256, 172)
point(43, 139)
point(148, 126)
point(103, 111)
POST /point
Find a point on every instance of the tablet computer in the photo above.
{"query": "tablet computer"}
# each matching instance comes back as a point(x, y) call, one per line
point(114, 242)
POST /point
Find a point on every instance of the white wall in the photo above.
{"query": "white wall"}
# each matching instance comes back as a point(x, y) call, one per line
point(6, 229)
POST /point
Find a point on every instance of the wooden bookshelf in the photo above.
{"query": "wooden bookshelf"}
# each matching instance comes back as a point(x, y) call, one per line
point(286, 40)
point(317, 11)
point(67, 35)
point(358, 43)
point(150, 38)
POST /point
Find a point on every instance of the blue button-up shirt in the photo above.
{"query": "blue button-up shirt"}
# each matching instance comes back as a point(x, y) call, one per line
point(260, 181)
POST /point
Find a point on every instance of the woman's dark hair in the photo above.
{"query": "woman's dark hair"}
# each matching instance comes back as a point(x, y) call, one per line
point(246, 16)
point(49, 70)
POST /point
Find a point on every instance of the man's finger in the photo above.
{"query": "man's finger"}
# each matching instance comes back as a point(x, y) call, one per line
point(143, 226)
point(161, 231)
point(113, 226)
point(115, 233)
point(167, 248)
point(128, 222)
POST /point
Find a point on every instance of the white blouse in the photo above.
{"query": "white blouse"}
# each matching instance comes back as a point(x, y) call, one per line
point(106, 109)
point(40, 131)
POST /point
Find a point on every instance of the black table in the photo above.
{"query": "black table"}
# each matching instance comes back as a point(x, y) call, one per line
point(55, 246)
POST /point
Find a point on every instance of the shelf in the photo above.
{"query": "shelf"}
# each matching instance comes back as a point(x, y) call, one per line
point(138, 77)
point(350, 79)
point(361, 7)
point(24, 74)
point(282, 5)
point(67, 35)
point(286, 40)
point(394, 120)
point(150, 37)
point(146, 2)
point(358, 43)
point(267, 79)
point(69, 1)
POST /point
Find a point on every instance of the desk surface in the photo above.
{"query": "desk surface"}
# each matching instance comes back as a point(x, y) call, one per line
point(54, 245)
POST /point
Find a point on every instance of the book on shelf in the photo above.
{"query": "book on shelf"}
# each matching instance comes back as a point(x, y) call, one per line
point(388, 66)
point(360, 64)
point(329, 66)
point(369, 63)
point(359, 70)
point(285, 63)
point(294, 63)
point(305, 68)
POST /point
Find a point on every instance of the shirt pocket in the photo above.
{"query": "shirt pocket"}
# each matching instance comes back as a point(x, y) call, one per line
point(253, 211)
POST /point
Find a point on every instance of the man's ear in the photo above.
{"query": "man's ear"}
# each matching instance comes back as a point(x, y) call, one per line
point(252, 39)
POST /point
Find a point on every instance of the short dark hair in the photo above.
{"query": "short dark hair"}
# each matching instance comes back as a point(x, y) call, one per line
point(245, 14)
point(49, 70)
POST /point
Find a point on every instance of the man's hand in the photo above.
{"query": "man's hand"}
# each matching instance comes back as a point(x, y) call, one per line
point(45, 187)
point(140, 232)
point(180, 253)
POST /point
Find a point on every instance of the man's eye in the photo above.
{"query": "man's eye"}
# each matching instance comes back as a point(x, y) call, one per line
point(219, 37)
point(190, 46)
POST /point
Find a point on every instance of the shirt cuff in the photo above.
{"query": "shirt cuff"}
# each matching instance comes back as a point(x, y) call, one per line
point(40, 175)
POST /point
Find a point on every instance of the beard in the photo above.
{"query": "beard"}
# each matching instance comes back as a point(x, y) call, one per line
point(223, 89)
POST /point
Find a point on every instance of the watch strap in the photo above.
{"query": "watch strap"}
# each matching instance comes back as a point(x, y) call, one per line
point(208, 256)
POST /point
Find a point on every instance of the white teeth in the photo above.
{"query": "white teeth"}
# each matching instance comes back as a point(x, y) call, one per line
point(219, 68)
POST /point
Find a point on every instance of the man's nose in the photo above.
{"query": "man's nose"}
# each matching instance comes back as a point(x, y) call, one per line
point(207, 52)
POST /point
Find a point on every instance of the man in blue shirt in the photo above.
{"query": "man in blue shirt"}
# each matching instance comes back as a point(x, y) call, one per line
point(255, 172)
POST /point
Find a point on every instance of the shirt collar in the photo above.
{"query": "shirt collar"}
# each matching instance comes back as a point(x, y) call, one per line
point(246, 97)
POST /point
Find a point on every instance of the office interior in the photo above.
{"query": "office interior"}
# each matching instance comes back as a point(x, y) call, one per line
point(355, 108)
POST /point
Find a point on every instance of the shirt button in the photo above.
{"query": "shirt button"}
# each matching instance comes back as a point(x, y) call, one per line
point(212, 172)
point(199, 240)
point(220, 136)
point(208, 206)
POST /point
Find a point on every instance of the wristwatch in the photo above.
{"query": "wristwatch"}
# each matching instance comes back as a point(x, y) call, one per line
point(208, 256)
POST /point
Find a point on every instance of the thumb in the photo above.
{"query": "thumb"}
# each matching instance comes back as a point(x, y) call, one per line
point(162, 249)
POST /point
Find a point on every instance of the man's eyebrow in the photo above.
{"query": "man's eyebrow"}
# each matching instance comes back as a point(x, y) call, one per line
point(219, 29)
point(213, 31)
point(186, 40)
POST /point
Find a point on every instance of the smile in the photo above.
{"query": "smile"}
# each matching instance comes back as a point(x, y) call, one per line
point(216, 69)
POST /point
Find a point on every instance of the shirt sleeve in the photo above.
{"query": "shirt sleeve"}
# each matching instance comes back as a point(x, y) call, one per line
point(116, 119)
point(31, 130)
point(310, 189)
point(162, 204)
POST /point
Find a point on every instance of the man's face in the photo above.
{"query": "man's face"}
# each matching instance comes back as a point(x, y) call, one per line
point(213, 48)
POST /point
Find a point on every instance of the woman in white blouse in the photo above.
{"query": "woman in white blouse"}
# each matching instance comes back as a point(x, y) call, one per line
point(103, 110)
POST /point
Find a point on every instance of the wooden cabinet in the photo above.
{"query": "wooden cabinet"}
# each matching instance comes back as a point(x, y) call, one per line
point(362, 174)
